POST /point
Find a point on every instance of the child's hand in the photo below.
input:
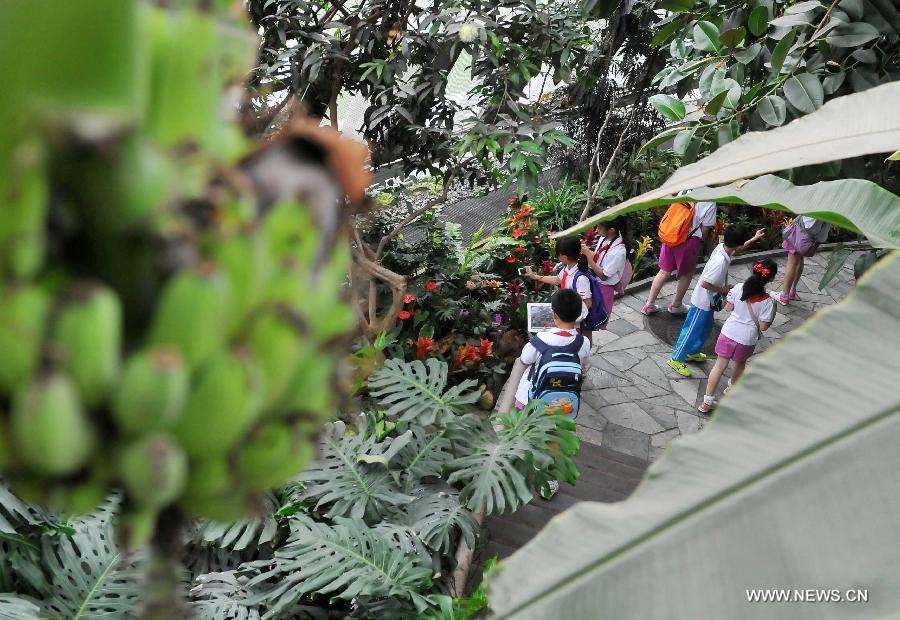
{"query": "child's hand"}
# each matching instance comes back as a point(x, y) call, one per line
point(586, 250)
point(759, 234)
point(529, 273)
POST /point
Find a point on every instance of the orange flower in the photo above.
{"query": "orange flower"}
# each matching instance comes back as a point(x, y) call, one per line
point(486, 348)
point(424, 346)
point(518, 232)
point(405, 315)
point(520, 249)
point(408, 299)
point(495, 283)
point(431, 285)
point(510, 259)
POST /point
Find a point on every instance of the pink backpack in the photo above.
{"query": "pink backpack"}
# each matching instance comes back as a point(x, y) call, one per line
point(627, 272)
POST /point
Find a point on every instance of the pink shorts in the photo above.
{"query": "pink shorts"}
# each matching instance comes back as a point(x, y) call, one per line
point(681, 258)
point(787, 246)
point(735, 351)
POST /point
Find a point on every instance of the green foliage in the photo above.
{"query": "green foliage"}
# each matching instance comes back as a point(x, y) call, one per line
point(557, 208)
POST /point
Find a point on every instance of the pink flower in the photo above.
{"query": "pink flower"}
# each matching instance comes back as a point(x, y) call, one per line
point(408, 299)
point(405, 315)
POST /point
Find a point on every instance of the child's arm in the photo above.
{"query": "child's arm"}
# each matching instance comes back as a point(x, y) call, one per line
point(592, 264)
point(545, 279)
point(715, 289)
point(763, 326)
point(759, 235)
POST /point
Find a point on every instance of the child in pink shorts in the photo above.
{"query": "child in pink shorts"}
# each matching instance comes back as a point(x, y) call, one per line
point(752, 312)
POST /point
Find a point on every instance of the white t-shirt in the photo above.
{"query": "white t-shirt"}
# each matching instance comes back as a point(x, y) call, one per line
point(557, 338)
point(740, 326)
point(582, 286)
point(716, 273)
point(611, 259)
point(818, 231)
point(704, 215)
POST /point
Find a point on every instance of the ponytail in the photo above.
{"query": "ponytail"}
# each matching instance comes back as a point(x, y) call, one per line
point(583, 264)
point(621, 226)
point(763, 272)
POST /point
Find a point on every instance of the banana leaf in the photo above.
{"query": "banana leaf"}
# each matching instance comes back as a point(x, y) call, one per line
point(849, 126)
point(792, 485)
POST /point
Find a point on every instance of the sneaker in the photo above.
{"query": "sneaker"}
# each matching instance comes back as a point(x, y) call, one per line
point(649, 309)
point(696, 357)
point(679, 309)
point(783, 299)
point(793, 295)
point(550, 490)
point(704, 407)
point(727, 390)
point(680, 367)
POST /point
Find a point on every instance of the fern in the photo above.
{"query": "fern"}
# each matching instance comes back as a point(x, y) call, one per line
point(345, 560)
point(90, 577)
point(412, 391)
point(352, 476)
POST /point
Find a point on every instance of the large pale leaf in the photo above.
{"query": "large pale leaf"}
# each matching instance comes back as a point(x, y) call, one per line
point(242, 534)
point(858, 124)
point(792, 485)
point(13, 607)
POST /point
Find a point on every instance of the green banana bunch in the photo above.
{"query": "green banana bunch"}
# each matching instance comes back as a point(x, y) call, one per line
point(23, 207)
point(154, 470)
point(88, 336)
point(152, 392)
point(50, 428)
point(193, 314)
point(273, 454)
point(24, 311)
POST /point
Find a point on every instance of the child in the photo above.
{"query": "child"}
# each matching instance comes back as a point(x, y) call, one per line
point(681, 260)
point(608, 259)
point(566, 308)
point(699, 320)
point(753, 311)
point(817, 233)
point(568, 252)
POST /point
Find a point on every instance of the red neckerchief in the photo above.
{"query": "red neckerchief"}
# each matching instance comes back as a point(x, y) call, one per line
point(757, 298)
point(562, 279)
point(605, 248)
point(569, 334)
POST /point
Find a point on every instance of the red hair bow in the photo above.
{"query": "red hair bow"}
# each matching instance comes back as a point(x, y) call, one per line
point(762, 270)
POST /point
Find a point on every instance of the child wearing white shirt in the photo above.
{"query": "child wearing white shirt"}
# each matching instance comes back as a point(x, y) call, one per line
point(698, 322)
point(818, 233)
point(753, 311)
point(608, 259)
point(568, 251)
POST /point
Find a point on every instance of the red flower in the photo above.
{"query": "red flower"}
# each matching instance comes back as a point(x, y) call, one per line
point(485, 348)
point(520, 249)
point(431, 286)
point(547, 267)
point(518, 232)
point(464, 354)
point(408, 299)
point(405, 315)
point(510, 259)
point(424, 346)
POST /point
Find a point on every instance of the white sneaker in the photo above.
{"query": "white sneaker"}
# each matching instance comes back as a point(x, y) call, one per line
point(679, 309)
point(649, 309)
point(553, 489)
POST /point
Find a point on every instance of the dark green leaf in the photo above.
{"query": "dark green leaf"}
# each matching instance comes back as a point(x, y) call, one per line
point(677, 6)
point(683, 140)
point(662, 35)
point(804, 92)
point(728, 132)
point(733, 37)
point(791, 21)
point(693, 149)
point(863, 78)
point(832, 82)
point(853, 8)
point(758, 22)
point(839, 256)
point(660, 138)
point(865, 56)
point(773, 110)
point(706, 37)
point(601, 9)
point(668, 106)
point(781, 50)
point(748, 54)
point(852, 35)
point(713, 106)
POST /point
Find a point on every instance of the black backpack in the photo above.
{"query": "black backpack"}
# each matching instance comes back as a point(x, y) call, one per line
point(556, 376)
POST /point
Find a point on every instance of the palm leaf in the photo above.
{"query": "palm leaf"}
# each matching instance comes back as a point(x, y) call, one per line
point(346, 560)
point(351, 476)
point(793, 484)
point(13, 607)
point(414, 391)
point(849, 126)
point(90, 576)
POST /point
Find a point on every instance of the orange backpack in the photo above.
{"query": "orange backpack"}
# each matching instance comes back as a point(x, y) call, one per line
point(675, 225)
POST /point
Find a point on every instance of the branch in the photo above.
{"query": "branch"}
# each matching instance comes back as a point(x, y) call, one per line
point(612, 158)
point(595, 160)
point(274, 114)
point(415, 215)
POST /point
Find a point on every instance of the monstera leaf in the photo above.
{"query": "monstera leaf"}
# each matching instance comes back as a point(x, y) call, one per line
point(347, 560)
point(436, 514)
point(849, 126)
point(792, 485)
point(413, 391)
point(13, 607)
point(238, 536)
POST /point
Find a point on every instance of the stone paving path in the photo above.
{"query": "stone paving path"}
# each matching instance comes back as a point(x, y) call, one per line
point(632, 402)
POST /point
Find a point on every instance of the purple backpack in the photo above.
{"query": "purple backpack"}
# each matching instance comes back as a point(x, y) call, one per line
point(797, 236)
point(597, 315)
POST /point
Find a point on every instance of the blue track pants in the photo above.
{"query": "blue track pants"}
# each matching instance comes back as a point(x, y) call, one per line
point(697, 326)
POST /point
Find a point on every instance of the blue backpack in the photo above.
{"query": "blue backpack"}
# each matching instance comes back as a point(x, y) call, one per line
point(556, 376)
point(597, 315)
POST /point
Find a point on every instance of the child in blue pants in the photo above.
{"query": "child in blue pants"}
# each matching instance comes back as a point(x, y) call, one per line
point(698, 322)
